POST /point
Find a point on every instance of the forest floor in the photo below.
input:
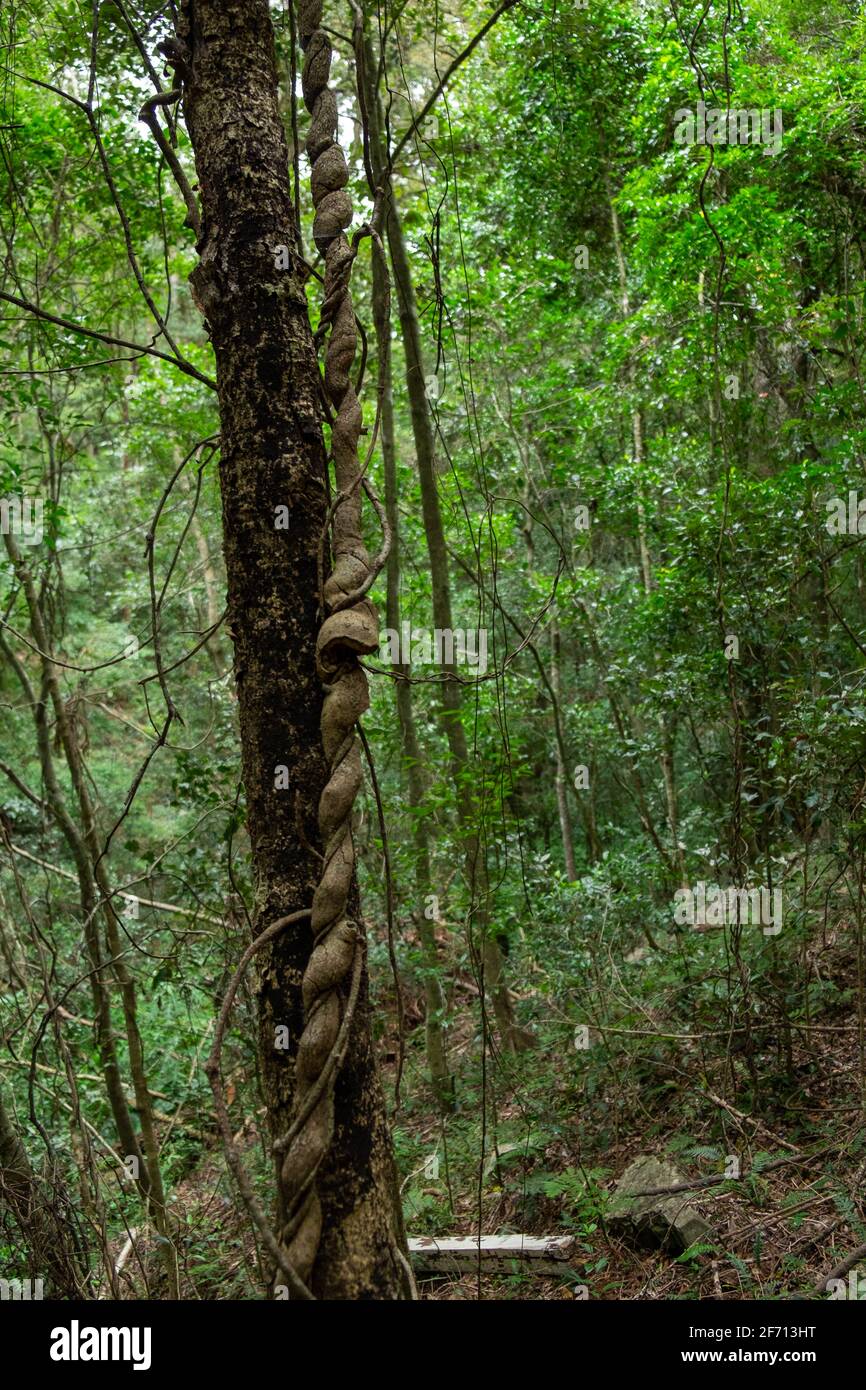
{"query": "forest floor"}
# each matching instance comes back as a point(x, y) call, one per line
point(564, 1134)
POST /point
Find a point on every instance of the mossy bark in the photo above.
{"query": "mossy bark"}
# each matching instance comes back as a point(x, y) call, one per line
point(273, 456)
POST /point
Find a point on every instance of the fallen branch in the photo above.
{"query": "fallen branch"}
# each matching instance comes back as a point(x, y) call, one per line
point(717, 1178)
point(127, 897)
point(125, 1252)
point(838, 1271)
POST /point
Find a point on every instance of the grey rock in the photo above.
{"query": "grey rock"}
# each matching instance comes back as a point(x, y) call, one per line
point(668, 1223)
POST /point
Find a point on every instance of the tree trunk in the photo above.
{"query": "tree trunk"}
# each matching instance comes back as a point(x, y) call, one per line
point(511, 1036)
point(561, 769)
point(666, 739)
point(437, 1058)
point(48, 1241)
point(106, 1043)
point(272, 456)
point(97, 894)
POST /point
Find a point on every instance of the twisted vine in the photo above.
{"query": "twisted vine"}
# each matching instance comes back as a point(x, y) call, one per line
point(349, 630)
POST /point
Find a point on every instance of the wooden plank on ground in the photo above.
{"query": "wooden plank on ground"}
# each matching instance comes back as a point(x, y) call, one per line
point(460, 1254)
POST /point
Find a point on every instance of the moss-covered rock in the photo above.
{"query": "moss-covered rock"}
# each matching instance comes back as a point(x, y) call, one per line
point(654, 1220)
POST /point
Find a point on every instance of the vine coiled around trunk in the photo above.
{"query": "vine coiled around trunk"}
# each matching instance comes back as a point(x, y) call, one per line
point(349, 629)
